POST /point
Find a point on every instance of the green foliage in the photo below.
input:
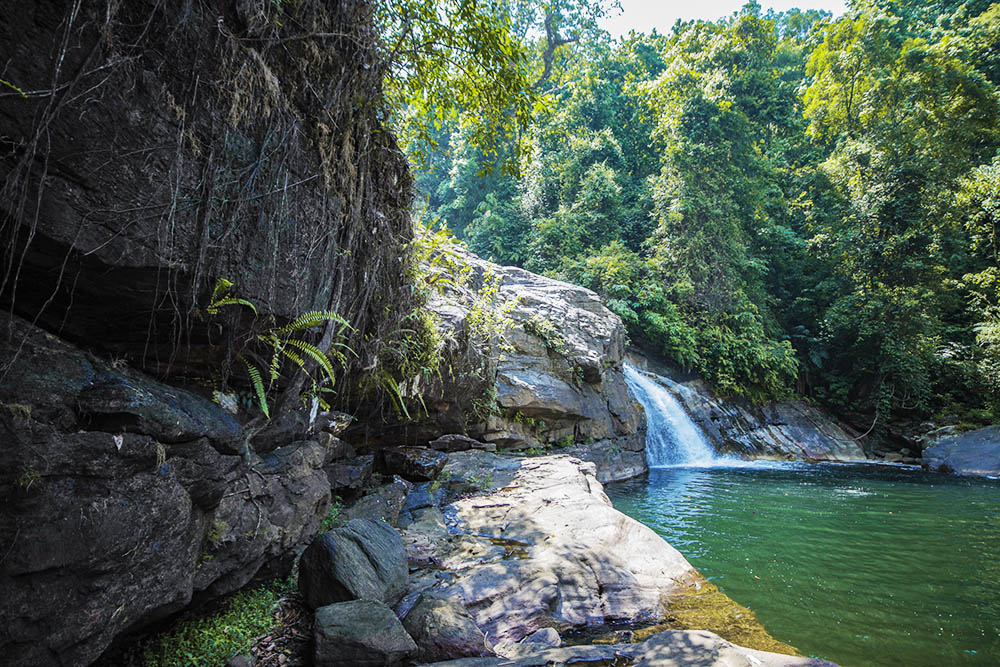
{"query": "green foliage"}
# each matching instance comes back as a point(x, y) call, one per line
point(281, 346)
point(229, 631)
point(330, 520)
point(779, 201)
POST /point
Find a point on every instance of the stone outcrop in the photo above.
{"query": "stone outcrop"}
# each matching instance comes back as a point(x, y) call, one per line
point(124, 502)
point(416, 464)
point(539, 546)
point(363, 560)
point(674, 648)
point(782, 430)
point(180, 148)
point(553, 380)
point(360, 633)
point(972, 453)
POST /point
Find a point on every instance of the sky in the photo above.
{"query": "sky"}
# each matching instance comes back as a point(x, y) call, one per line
point(644, 15)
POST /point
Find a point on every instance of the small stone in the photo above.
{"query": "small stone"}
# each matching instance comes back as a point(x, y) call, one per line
point(545, 637)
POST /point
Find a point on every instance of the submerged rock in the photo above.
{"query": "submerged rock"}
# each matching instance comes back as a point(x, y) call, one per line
point(973, 453)
point(363, 560)
point(360, 633)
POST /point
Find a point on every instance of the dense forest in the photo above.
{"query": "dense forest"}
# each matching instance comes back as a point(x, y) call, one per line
point(781, 202)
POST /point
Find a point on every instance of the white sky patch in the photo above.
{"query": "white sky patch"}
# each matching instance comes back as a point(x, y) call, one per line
point(644, 15)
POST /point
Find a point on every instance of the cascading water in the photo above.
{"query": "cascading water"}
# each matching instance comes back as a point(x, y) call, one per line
point(672, 439)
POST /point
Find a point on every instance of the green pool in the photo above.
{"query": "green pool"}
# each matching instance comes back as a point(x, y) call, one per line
point(858, 564)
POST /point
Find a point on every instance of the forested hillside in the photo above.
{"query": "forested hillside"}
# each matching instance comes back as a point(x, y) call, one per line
point(783, 203)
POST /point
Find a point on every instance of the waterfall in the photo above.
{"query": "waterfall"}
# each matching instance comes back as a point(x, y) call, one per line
point(672, 438)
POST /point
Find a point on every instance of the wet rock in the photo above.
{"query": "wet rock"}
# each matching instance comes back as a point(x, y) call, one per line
point(973, 453)
point(417, 464)
point(348, 477)
point(360, 633)
point(443, 630)
point(785, 430)
point(363, 560)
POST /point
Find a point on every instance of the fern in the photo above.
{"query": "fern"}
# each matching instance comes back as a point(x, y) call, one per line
point(392, 387)
point(316, 354)
point(312, 319)
point(258, 385)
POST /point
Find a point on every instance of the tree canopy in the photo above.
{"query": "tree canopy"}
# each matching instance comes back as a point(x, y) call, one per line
point(782, 202)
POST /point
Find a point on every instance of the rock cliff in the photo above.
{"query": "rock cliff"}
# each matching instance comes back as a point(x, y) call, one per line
point(552, 378)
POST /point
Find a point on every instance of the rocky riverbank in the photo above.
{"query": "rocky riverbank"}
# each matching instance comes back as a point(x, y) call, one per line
point(506, 556)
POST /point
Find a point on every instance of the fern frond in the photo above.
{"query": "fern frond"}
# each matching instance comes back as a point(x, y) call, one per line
point(316, 354)
point(258, 385)
point(213, 308)
point(312, 319)
point(392, 387)
point(222, 287)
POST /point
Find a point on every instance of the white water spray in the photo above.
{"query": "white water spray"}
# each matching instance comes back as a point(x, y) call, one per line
point(672, 439)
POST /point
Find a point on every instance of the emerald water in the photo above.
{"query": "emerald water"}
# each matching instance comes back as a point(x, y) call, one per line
point(858, 564)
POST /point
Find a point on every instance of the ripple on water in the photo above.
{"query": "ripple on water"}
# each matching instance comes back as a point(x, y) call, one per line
point(862, 565)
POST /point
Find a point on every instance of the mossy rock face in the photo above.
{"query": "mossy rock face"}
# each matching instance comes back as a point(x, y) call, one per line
point(702, 606)
point(705, 607)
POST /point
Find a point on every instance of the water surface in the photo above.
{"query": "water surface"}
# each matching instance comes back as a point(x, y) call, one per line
point(858, 564)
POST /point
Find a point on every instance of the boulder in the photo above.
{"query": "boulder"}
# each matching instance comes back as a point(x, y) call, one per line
point(973, 453)
point(360, 633)
point(383, 503)
point(349, 476)
point(540, 546)
point(558, 380)
point(674, 648)
point(544, 637)
point(417, 464)
point(443, 630)
point(362, 560)
point(107, 532)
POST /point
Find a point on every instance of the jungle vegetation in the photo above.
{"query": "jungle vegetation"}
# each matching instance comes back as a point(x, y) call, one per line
point(785, 203)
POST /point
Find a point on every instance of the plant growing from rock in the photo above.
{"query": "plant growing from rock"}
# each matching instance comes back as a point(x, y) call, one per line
point(272, 346)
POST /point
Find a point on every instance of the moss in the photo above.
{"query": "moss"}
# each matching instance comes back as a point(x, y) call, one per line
point(701, 606)
point(705, 607)
point(214, 638)
point(217, 531)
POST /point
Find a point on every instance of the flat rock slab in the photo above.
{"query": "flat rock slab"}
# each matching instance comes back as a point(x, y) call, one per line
point(674, 648)
point(544, 547)
point(363, 560)
point(361, 633)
